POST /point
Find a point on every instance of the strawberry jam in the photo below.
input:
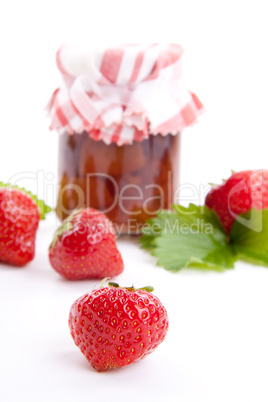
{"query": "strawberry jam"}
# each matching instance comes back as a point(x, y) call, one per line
point(129, 183)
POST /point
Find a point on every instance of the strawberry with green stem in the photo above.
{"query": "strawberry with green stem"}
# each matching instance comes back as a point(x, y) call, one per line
point(240, 193)
point(84, 247)
point(20, 213)
point(115, 326)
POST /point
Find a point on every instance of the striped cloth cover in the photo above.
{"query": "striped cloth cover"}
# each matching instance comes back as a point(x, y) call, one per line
point(122, 94)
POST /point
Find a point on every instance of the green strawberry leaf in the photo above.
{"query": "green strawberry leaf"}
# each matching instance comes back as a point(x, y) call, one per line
point(43, 208)
point(186, 237)
point(195, 250)
point(249, 236)
point(155, 226)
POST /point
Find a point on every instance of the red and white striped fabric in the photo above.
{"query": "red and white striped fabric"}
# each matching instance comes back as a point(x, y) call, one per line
point(122, 94)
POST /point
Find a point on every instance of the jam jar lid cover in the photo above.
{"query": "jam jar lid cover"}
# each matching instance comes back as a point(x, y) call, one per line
point(123, 93)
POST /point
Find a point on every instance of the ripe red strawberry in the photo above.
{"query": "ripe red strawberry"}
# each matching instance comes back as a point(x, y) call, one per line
point(19, 219)
point(115, 326)
point(84, 246)
point(242, 192)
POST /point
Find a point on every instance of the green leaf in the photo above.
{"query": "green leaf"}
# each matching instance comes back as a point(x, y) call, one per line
point(155, 226)
point(186, 237)
point(43, 208)
point(249, 236)
point(180, 251)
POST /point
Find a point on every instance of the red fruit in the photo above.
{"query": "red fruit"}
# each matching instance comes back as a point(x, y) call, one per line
point(114, 326)
point(85, 247)
point(242, 192)
point(19, 219)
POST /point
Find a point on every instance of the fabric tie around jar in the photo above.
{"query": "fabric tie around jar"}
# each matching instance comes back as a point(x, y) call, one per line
point(122, 94)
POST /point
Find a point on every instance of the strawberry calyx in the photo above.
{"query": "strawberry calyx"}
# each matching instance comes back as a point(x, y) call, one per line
point(131, 288)
point(223, 180)
point(42, 207)
point(66, 226)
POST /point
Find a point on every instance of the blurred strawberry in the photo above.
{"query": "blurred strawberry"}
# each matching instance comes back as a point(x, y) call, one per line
point(84, 246)
point(20, 212)
point(242, 192)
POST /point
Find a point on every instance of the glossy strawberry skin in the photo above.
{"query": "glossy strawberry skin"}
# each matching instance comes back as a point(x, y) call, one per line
point(240, 193)
point(19, 219)
point(87, 248)
point(114, 327)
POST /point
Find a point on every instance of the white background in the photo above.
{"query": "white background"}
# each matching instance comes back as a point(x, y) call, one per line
point(216, 349)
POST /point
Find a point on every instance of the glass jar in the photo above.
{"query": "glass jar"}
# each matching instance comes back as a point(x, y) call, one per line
point(108, 102)
point(129, 183)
